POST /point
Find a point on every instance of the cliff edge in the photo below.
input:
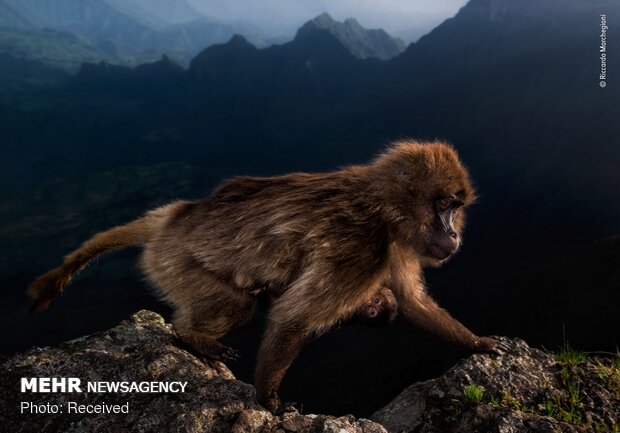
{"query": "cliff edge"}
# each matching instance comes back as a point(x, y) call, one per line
point(525, 390)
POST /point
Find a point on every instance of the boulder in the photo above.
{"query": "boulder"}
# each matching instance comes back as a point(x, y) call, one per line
point(144, 349)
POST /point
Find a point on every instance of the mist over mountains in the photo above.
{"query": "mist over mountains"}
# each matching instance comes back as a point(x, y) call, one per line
point(66, 33)
point(513, 85)
point(128, 32)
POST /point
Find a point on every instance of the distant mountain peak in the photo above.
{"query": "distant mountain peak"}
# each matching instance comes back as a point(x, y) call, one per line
point(359, 41)
point(352, 22)
point(161, 67)
point(324, 18)
point(239, 40)
point(237, 43)
point(221, 57)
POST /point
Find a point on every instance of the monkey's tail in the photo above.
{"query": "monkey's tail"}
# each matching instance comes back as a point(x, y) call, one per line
point(48, 285)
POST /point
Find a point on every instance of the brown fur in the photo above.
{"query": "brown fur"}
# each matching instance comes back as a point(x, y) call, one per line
point(320, 244)
point(48, 285)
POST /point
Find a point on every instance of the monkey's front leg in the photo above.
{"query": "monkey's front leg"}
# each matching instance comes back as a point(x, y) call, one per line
point(279, 347)
point(423, 311)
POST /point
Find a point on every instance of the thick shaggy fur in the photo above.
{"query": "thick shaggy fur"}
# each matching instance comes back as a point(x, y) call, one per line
point(321, 245)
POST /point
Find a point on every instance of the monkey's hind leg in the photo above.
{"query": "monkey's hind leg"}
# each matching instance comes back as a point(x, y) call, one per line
point(213, 309)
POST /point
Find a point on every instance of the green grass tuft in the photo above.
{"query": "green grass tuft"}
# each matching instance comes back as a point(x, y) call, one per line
point(473, 393)
point(569, 356)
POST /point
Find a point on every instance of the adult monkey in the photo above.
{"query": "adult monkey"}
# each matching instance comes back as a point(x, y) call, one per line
point(321, 245)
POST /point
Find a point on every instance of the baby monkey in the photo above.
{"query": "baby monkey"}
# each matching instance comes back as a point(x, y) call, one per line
point(380, 310)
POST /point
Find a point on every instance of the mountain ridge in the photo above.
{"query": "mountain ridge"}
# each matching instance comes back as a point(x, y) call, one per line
point(129, 33)
point(124, 32)
point(360, 42)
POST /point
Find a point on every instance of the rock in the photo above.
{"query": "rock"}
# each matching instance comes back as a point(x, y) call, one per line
point(524, 390)
point(145, 349)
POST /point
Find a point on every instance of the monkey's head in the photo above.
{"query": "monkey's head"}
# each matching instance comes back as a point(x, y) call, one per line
point(423, 189)
point(379, 310)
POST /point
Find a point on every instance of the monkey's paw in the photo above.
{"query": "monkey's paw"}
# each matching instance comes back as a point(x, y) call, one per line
point(216, 351)
point(211, 351)
point(491, 345)
point(289, 406)
point(225, 353)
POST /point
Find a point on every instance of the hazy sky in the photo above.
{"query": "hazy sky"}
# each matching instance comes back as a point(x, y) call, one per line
point(282, 16)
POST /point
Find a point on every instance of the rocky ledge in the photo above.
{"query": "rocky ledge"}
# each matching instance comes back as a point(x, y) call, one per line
point(525, 390)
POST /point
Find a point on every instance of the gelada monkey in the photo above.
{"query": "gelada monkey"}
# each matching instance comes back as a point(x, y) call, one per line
point(380, 310)
point(321, 244)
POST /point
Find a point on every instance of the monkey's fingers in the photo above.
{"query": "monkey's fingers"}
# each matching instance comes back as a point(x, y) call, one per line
point(228, 354)
point(214, 351)
point(503, 346)
point(492, 345)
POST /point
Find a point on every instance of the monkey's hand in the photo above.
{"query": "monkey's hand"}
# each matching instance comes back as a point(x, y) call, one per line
point(491, 345)
point(287, 407)
point(214, 351)
point(227, 354)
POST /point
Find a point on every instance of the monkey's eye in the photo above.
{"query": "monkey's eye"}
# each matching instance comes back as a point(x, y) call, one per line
point(444, 203)
point(376, 301)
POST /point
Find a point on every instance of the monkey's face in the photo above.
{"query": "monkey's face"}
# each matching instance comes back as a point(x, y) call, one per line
point(433, 227)
point(425, 198)
point(381, 309)
point(444, 238)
